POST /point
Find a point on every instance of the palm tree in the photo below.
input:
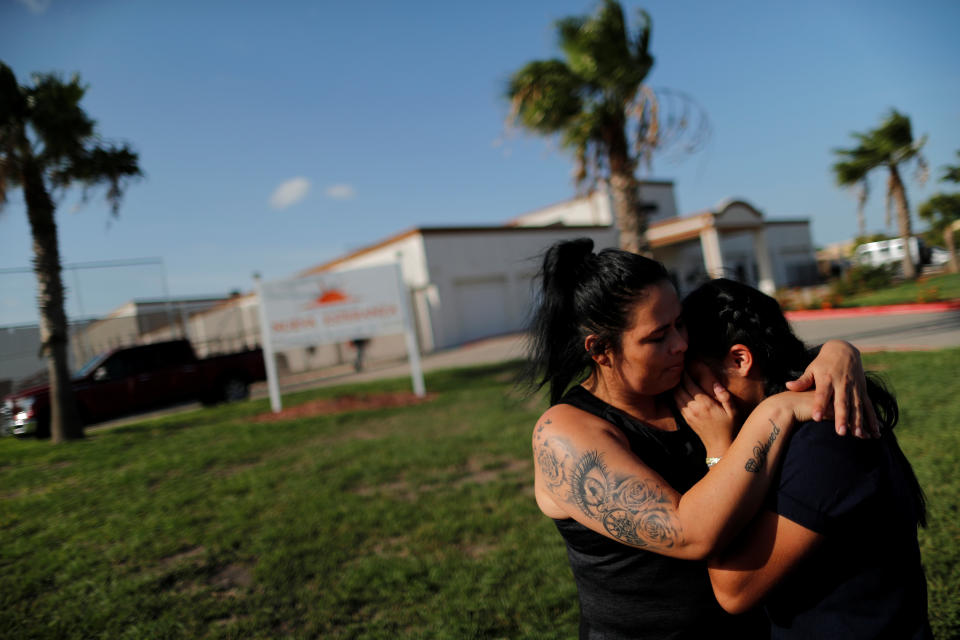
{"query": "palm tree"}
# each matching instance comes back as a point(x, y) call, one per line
point(890, 145)
point(597, 101)
point(47, 144)
point(951, 173)
point(942, 213)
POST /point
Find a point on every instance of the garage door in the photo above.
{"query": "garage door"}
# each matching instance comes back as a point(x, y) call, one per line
point(481, 308)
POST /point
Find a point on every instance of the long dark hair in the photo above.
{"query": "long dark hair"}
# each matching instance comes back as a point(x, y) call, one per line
point(722, 313)
point(582, 293)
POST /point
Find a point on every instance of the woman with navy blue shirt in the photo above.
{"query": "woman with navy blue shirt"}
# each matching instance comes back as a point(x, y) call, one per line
point(834, 553)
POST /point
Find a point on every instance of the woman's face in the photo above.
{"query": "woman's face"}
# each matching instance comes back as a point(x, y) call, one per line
point(650, 360)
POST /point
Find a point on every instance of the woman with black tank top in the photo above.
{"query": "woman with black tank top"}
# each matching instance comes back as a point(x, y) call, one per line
point(617, 468)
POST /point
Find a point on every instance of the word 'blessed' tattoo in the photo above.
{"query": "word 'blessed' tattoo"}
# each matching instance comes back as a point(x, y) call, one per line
point(631, 509)
point(760, 451)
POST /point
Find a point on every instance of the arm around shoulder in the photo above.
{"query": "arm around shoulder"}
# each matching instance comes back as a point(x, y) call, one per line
point(585, 470)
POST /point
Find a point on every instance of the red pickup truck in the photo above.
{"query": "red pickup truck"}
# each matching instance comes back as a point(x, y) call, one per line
point(135, 379)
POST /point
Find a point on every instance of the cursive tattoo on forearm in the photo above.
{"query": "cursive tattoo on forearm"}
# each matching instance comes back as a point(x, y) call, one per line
point(760, 451)
point(631, 509)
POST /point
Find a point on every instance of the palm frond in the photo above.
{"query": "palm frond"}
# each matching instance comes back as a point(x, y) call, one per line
point(641, 41)
point(646, 115)
point(60, 124)
point(950, 173)
point(110, 164)
point(598, 48)
point(922, 173)
point(544, 96)
point(13, 107)
point(13, 104)
point(849, 173)
point(668, 121)
point(4, 182)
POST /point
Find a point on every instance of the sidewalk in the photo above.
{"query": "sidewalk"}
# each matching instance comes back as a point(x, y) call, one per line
point(901, 327)
point(485, 351)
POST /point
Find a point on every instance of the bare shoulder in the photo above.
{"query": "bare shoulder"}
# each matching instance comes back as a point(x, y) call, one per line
point(567, 421)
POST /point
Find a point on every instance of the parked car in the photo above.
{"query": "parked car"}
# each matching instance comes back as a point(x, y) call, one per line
point(939, 256)
point(134, 379)
point(884, 252)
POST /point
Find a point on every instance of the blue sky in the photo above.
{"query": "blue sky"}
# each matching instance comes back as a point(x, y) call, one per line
point(389, 115)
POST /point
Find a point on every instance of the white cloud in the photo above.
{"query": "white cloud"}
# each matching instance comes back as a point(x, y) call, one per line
point(36, 6)
point(290, 192)
point(340, 192)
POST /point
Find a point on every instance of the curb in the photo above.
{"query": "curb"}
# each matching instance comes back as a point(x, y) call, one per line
point(893, 309)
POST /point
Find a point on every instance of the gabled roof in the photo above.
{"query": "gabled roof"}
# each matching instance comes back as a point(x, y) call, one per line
point(680, 229)
point(427, 231)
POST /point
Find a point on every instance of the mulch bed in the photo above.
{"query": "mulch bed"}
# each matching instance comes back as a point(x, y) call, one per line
point(340, 404)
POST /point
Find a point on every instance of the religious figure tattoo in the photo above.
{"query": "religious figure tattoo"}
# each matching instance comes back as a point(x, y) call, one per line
point(760, 451)
point(631, 509)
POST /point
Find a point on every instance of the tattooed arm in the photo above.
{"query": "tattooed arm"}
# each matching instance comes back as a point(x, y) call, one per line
point(585, 470)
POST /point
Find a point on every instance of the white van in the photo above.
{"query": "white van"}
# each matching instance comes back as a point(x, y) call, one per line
point(890, 251)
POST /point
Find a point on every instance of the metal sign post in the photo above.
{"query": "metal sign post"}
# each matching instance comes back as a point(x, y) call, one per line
point(410, 332)
point(270, 363)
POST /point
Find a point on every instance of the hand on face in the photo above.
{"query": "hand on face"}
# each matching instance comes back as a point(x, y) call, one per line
point(708, 408)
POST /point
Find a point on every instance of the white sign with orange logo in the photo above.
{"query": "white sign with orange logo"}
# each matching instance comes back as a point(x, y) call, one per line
point(335, 307)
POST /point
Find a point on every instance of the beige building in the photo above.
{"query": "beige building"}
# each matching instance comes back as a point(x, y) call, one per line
point(733, 239)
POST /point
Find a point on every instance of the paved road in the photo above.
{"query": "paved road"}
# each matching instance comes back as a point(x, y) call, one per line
point(890, 332)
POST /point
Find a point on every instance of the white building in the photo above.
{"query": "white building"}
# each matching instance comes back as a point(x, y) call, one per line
point(467, 283)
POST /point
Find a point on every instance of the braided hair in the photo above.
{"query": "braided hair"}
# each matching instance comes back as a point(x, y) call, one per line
point(582, 293)
point(722, 313)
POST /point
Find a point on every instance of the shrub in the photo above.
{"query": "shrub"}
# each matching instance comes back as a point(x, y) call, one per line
point(928, 294)
point(863, 278)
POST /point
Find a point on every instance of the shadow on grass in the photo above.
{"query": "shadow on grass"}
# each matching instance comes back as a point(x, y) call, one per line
point(437, 382)
point(478, 376)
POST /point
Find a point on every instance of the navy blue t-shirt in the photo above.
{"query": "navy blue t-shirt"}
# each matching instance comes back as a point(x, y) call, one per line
point(865, 580)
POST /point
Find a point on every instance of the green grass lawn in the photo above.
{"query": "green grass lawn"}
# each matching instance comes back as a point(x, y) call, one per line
point(941, 287)
point(414, 522)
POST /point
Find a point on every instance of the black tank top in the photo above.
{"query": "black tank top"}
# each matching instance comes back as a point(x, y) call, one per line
point(631, 593)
